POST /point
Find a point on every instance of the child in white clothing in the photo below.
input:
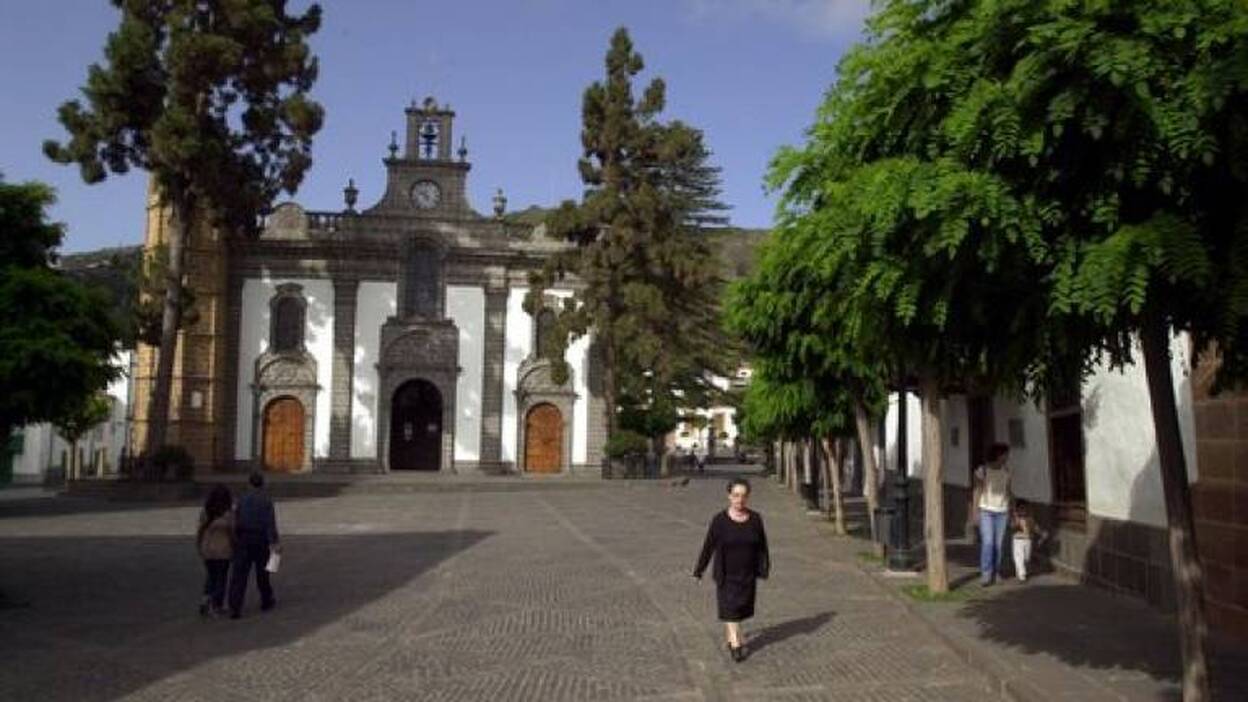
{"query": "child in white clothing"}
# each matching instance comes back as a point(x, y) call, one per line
point(1025, 531)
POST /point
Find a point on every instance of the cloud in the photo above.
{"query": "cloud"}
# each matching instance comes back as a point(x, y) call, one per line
point(823, 19)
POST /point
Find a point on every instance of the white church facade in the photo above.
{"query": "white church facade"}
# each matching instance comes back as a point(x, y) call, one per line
point(386, 339)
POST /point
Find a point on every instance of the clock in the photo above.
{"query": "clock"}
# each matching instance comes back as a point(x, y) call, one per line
point(426, 195)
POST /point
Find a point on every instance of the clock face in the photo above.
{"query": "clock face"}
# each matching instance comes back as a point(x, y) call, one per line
point(426, 194)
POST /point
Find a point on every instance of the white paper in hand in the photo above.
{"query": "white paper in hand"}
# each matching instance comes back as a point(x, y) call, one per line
point(275, 561)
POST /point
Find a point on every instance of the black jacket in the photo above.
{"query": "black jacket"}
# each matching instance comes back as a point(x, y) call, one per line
point(714, 537)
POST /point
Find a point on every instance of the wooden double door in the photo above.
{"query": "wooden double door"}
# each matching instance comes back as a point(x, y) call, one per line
point(416, 427)
point(283, 435)
point(543, 439)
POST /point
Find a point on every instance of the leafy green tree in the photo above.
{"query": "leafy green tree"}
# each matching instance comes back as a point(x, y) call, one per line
point(799, 410)
point(783, 313)
point(210, 97)
point(647, 281)
point(57, 337)
point(74, 425)
point(1087, 158)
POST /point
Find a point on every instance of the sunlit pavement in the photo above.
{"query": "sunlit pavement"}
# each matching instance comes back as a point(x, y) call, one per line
point(536, 594)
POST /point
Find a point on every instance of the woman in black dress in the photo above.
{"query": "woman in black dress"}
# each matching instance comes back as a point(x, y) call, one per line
point(738, 541)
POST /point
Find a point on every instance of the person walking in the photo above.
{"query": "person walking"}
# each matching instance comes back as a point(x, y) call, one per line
point(257, 538)
point(738, 542)
point(215, 540)
point(992, 500)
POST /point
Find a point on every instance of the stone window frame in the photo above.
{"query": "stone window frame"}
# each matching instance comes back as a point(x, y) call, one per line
point(279, 375)
point(535, 387)
point(287, 292)
point(438, 250)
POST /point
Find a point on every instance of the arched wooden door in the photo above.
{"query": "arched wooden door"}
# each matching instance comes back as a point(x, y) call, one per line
point(283, 435)
point(416, 427)
point(543, 439)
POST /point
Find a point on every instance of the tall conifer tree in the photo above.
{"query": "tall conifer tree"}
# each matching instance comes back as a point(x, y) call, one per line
point(648, 282)
point(211, 97)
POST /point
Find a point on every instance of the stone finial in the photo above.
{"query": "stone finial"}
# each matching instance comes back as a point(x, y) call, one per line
point(463, 149)
point(500, 203)
point(394, 144)
point(350, 194)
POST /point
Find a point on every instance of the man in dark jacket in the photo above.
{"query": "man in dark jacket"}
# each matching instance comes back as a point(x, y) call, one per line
point(256, 529)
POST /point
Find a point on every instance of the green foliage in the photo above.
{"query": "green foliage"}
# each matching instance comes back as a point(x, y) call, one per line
point(56, 335)
point(647, 282)
point(211, 98)
point(93, 410)
point(624, 443)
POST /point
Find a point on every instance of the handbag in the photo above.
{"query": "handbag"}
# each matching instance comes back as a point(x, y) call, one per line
point(275, 561)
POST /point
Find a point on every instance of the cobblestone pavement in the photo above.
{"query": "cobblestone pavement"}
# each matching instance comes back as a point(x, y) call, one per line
point(529, 595)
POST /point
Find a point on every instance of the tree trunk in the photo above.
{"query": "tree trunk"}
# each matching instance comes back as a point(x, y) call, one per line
point(608, 378)
point(1188, 576)
point(870, 484)
point(933, 489)
point(158, 408)
point(836, 510)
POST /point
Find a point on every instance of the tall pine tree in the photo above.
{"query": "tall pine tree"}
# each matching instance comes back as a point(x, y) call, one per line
point(647, 283)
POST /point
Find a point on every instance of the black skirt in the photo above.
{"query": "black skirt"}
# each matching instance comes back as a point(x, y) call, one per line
point(735, 597)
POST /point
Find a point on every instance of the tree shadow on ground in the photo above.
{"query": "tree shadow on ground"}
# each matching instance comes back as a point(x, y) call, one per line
point(104, 617)
point(776, 633)
point(1143, 641)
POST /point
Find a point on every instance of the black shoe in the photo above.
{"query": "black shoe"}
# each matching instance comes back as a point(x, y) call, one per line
point(235, 615)
point(735, 653)
point(203, 609)
point(266, 606)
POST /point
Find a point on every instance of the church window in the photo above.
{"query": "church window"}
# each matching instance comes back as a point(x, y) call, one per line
point(545, 324)
point(422, 283)
point(288, 321)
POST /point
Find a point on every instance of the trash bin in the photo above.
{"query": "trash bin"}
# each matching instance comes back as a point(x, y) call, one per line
point(810, 493)
point(884, 525)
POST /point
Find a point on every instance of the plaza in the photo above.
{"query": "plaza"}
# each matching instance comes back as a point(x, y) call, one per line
point(558, 591)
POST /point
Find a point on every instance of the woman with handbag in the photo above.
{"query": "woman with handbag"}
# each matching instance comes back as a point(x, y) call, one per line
point(738, 542)
point(215, 540)
point(992, 501)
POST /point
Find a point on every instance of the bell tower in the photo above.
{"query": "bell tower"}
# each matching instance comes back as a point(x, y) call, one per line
point(429, 178)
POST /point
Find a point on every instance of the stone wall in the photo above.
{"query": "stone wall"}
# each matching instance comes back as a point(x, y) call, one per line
point(1220, 499)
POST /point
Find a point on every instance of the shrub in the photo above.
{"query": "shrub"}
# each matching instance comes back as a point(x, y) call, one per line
point(172, 461)
point(626, 443)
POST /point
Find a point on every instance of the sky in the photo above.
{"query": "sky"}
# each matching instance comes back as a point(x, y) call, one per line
point(749, 73)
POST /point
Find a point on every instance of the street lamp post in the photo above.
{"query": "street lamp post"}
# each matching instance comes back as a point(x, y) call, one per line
point(900, 557)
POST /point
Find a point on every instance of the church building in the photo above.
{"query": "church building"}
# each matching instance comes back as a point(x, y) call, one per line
point(388, 338)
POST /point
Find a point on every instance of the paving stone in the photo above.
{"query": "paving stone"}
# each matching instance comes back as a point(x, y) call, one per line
point(533, 594)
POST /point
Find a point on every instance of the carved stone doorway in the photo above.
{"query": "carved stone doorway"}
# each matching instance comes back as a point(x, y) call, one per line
point(543, 439)
point(283, 435)
point(416, 427)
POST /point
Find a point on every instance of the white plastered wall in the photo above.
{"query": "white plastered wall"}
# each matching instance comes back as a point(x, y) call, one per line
point(518, 343)
point(914, 434)
point(517, 346)
point(376, 301)
point(254, 340)
point(466, 307)
point(1121, 463)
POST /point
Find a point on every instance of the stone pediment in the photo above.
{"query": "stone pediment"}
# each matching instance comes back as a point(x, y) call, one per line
point(286, 370)
point(419, 344)
point(534, 379)
point(288, 221)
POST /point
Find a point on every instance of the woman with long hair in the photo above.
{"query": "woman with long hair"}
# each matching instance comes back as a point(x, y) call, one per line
point(215, 540)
